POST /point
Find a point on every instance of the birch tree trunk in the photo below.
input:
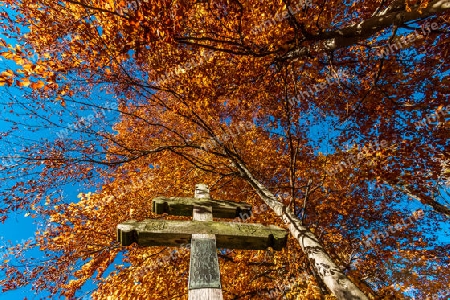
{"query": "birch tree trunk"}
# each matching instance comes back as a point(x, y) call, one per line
point(336, 281)
point(351, 35)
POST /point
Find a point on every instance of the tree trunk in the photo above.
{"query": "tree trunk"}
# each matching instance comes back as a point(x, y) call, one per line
point(336, 281)
point(353, 34)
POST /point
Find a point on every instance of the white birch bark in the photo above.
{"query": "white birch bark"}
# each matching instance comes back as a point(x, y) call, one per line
point(353, 34)
point(336, 281)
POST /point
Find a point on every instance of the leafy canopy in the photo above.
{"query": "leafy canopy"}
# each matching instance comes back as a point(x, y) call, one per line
point(137, 99)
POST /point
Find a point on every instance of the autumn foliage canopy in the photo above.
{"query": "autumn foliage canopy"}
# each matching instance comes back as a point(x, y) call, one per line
point(335, 110)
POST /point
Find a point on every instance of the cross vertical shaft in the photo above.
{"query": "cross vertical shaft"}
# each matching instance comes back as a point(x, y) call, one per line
point(204, 273)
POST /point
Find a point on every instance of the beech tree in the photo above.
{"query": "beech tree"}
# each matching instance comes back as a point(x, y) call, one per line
point(330, 118)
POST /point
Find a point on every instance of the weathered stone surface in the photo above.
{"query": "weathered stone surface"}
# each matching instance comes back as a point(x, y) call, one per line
point(204, 265)
point(204, 279)
point(183, 206)
point(229, 235)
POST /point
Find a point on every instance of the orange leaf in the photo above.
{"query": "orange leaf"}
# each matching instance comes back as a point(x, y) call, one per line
point(37, 85)
point(7, 73)
point(7, 55)
point(25, 82)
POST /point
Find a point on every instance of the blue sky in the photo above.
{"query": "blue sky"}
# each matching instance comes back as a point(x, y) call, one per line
point(21, 225)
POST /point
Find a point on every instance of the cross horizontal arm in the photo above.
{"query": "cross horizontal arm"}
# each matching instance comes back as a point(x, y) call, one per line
point(183, 206)
point(229, 235)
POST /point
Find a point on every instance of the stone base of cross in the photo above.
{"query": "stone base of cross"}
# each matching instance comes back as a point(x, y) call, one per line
point(204, 234)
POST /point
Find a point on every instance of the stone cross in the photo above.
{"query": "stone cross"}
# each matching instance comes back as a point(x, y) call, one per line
point(204, 234)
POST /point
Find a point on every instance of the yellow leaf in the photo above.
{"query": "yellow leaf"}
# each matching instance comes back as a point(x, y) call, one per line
point(19, 60)
point(7, 73)
point(7, 55)
point(27, 67)
point(26, 82)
